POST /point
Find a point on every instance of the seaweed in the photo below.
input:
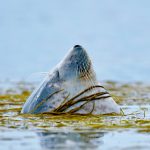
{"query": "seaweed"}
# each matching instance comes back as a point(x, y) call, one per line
point(139, 118)
point(65, 105)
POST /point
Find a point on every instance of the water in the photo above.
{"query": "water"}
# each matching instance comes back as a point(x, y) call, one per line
point(89, 139)
point(35, 35)
point(47, 131)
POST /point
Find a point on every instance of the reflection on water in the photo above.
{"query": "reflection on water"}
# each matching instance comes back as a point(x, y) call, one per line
point(58, 140)
point(95, 140)
point(76, 140)
point(47, 131)
point(36, 34)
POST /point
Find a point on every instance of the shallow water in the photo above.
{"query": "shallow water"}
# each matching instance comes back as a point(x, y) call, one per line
point(128, 131)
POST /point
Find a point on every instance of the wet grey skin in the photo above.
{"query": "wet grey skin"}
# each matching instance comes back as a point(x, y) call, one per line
point(70, 77)
point(68, 69)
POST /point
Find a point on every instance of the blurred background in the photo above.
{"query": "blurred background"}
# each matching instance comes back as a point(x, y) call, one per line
point(36, 34)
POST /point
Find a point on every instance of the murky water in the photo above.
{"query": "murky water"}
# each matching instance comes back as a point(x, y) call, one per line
point(46, 131)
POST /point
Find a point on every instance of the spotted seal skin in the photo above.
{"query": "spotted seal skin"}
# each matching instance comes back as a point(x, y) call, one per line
point(71, 76)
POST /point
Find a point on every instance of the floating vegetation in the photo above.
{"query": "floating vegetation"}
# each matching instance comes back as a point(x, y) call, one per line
point(134, 100)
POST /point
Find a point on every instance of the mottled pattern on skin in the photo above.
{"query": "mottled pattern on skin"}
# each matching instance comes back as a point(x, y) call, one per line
point(71, 76)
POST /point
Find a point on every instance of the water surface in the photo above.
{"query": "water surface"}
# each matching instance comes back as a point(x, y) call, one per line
point(46, 131)
point(35, 35)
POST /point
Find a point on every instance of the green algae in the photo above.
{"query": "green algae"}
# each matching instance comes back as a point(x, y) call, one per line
point(133, 98)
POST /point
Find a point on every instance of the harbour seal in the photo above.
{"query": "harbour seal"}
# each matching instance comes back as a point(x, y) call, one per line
point(71, 76)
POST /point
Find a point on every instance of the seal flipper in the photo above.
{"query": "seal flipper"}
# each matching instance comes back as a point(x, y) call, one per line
point(38, 102)
point(74, 74)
